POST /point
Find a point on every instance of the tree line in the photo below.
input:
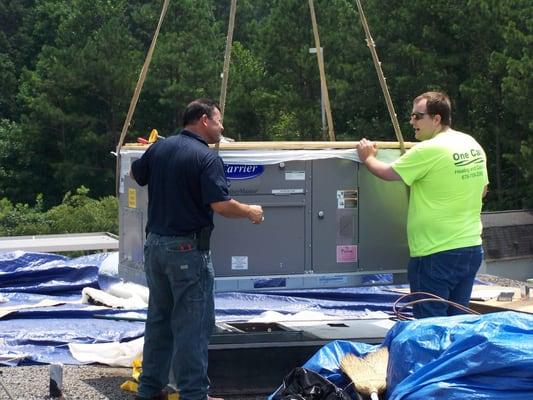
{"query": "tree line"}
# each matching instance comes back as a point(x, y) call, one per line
point(68, 69)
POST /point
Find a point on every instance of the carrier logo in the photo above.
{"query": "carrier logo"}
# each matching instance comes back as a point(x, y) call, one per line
point(241, 171)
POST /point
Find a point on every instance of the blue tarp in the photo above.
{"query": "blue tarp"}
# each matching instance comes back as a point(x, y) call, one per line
point(461, 357)
point(47, 273)
point(41, 335)
point(475, 357)
point(343, 302)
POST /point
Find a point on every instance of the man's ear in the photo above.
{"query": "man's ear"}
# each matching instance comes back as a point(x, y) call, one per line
point(437, 118)
point(204, 119)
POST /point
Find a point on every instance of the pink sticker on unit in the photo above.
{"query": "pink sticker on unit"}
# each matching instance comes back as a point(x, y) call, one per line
point(347, 254)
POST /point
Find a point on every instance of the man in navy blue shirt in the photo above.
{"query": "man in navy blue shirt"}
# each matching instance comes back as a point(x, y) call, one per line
point(186, 184)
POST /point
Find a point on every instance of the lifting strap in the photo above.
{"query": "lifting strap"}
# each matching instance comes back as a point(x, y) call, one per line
point(320, 58)
point(227, 57)
point(137, 92)
point(382, 81)
point(323, 84)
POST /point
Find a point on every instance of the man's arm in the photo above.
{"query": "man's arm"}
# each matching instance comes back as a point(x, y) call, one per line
point(233, 209)
point(367, 152)
point(139, 171)
point(381, 170)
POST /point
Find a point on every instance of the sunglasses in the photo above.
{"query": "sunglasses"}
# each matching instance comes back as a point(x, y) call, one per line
point(418, 115)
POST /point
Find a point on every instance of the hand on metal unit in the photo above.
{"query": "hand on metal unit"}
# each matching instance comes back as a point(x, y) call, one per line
point(365, 149)
point(256, 214)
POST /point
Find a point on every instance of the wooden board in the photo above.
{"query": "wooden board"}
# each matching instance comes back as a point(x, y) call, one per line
point(493, 305)
point(285, 145)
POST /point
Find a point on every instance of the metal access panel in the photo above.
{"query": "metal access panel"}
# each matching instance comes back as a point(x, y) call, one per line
point(334, 216)
point(275, 247)
point(278, 246)
point(133, 205)
point(382, 223)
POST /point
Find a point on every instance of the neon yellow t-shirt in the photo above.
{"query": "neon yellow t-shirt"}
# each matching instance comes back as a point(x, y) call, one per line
point(447, 175)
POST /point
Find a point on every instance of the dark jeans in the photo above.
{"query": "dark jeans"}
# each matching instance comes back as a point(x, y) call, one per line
point(180, 316)
point(449, 274)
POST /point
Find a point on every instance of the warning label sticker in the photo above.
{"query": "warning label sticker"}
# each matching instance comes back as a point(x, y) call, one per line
point(347, 253)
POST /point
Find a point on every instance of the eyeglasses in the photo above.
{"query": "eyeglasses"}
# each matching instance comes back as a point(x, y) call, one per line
point(418, 115)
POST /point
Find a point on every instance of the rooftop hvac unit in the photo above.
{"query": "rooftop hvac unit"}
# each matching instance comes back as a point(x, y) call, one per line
point(328, 221)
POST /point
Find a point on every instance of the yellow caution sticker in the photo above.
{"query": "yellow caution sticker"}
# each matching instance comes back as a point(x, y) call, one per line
point(132, 198)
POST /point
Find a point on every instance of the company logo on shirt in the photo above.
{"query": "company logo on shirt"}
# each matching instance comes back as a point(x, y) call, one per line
point(470, 164)
point(242, 171)
point(474, 156)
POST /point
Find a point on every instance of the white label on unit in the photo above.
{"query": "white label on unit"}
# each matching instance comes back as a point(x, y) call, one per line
point(347, 198)
point(239, 262)
point(125, 165)
point(340, 199)
point(287, 191)
point(295, 175)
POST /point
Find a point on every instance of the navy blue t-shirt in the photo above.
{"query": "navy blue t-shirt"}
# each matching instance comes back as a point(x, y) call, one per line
point(184, 176)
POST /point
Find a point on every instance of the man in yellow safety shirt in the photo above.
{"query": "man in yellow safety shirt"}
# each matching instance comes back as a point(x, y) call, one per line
point(447, 174)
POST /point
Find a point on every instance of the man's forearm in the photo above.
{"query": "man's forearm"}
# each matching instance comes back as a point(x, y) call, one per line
point(231, 209)
point(381, 169)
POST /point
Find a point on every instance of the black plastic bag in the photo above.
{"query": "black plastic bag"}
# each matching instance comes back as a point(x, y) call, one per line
point(304, 384)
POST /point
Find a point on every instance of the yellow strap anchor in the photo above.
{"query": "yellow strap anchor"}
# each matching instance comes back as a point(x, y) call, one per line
point(154, 136)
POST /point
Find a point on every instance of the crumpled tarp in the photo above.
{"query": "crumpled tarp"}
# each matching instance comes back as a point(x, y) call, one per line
point(30, 341)
point(350, 302)
point(42, 334)
point(25, 273)
point(462, 357)
point(45, 273)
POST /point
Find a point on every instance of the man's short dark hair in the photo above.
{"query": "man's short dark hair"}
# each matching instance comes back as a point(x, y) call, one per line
point(437, 103)
point(196, 108)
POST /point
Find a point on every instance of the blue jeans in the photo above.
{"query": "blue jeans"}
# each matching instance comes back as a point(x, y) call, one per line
point(180, 316)
point(449, 274)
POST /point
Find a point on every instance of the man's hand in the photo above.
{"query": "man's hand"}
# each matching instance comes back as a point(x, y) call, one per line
point(256, 214)
point(367, 152)
point(233, 209)
point(366, 148)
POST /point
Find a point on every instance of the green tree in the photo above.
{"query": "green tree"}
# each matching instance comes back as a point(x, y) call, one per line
point(78, 213)
point(78, 93)
point(517, 91)
point(68, 71)
point(495, 93)
point(18, 176)
point(186, 64)
point(76, 97)
point(11, 13)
